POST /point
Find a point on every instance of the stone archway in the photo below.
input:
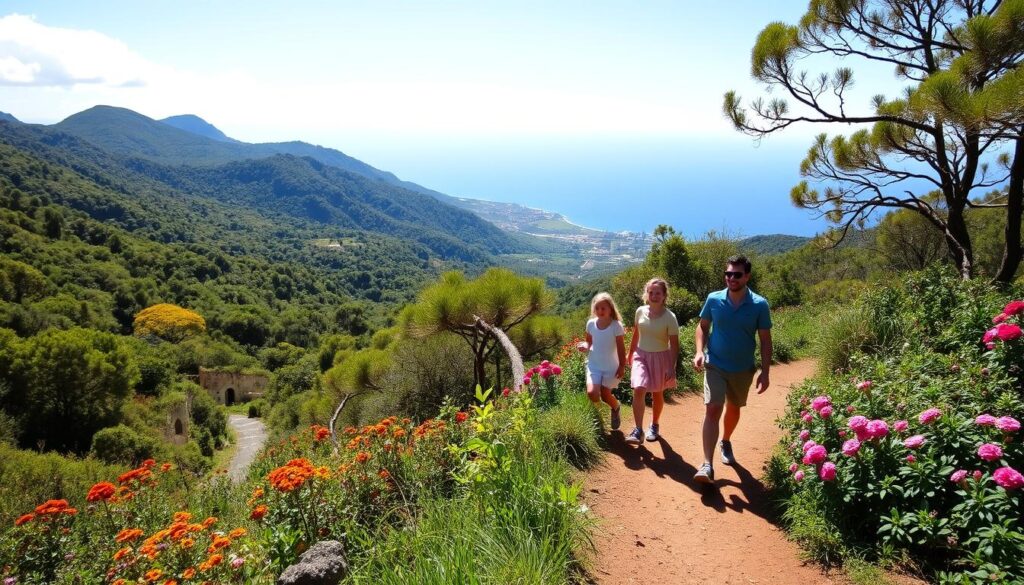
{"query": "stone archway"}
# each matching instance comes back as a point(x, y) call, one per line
point(229, 396)
point(179, 429)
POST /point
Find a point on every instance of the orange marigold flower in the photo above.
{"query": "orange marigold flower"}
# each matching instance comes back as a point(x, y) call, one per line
point(187, 543)
point(363, 457)
point(351, 431)
point(122, 553)
point(166, 467)
point(258, 512)
point(128, 535)
point(134, 475)
point(181, 517)
point(257, 493)
point(23, 519)
point(383, 474)
point(188, 573)
point(211, 562)
point(399, 433)
point(148, 463)
point(209, 521)
point(153, 574)
point(320, 433)
point(237, 532)
point(406, 421)
point(51, 507)
point(171, 582)
point(119, 582)
point(101, 492)
point(218, 543)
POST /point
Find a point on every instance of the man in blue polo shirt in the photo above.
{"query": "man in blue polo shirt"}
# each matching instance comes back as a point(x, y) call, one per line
point(728, 323)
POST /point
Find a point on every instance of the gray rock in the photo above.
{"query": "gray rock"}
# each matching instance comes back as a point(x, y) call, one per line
point(323, 564)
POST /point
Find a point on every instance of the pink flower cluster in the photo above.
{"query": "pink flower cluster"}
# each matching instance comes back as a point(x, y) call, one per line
point(545, 370)
point(1007, 424)
point(867, 429)
point(1011, 309)
point(823, 406)
point(929, 416)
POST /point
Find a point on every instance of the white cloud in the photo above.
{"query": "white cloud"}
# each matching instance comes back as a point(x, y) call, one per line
point(32, 54)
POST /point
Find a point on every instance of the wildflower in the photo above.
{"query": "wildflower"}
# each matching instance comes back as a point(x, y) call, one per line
point(122, 553)
point(985, 420)
point(958, 476)
point(864, 386)
point(258, 512)
point(545, 373)
point(793, 467)
point(209, 521)
point(218, 543)
point(188, 573)
point(820, 402)
point(1008, 478)
point(128, 535)
point(911, 458)
point(101, 492)
point(807, 446)
point(805, 434)
point(977, 475)
point(556, 369)
point(815, 455)
point(915, 442)
point(842, 434)
point(807, 418)
point(877, 429)
point(851, 447)
point(237, 562)
point(1008, 424)
point(320, 433)
point(363, 457)
point(1000, 318)
point(827, 471)
point(505, 391)
point(153, 575)
point(54, 507)
point(990, 452)
point(929, 416)
point(851, 409)
point(799, 475)
point(24, 519)
point(138, 475)
point(10, 581)
point(1013, 308)
point(460, 417)
point(825, 412)
point(526, 379)
point(181, 517)
point(1003, 332)
point(857, 422)
point(900, 426)
point(237, 533)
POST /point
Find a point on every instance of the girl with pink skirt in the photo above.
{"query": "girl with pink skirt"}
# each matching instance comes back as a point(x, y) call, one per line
point(652, 357)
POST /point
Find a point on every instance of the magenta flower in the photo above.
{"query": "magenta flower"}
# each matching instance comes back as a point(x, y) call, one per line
point(865, 385)
point(985, 420)
point(545, 363)
point(851, 447)
point(877, 429)
point(1008, 424)
point(929, 416)
point(556, 369)
point(1007, 331)
point(911, 458)
point(808, 418)
point(799, 475)
point(808, 445)
point(805, 434)
point(851, 409)
point(545, 373)
point(820, 402)
point(826, 411)
point(1014, 308)
point(958, 476)
point(793, 468)
point(990, 345)
point(1000, 318)
point(526, 379)
point(857, 422)
point(827, 471)
point(237, 562)
point(990, 452)
point(900, 426)
point(842, 434)
point(977, 475)
point(815, 455)
point(1008, 478)
point(914, 442)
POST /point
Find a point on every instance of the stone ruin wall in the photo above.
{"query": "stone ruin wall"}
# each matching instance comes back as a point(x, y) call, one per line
point(232, 387)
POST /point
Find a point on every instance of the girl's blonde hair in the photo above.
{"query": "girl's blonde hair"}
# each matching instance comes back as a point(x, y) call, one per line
point(603, 297)
point(658, 281)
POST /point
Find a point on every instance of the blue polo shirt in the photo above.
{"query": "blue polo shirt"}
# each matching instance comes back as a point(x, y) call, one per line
point(733, 329)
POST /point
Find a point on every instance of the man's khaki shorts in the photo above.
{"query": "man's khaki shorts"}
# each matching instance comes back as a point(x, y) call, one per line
point(721, 386)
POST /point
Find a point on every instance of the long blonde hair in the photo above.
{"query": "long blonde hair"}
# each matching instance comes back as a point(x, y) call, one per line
point(658, 281)
point(603, 297)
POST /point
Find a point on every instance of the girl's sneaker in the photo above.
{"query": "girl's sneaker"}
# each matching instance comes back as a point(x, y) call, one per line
point(652, 433)
point(616, 418)
point(635, 437)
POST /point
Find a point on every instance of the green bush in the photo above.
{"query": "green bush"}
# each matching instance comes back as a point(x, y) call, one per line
point(258, 408)
point(122, 445)
point(572, 427)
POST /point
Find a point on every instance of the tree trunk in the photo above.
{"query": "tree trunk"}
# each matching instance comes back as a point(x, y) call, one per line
point(1014, 209)
point(959, 241)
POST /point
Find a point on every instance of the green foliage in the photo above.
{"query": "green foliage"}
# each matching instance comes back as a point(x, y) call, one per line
point(572, 427)
point(122, 445)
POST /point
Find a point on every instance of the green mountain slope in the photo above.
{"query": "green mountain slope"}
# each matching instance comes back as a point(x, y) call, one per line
point(197, 125)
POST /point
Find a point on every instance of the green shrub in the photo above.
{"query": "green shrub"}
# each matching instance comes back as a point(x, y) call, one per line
point(258, 408)
point(572, 427)
point(122, 445)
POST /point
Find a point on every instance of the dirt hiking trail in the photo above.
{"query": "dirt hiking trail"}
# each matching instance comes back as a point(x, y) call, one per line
point(659, 526)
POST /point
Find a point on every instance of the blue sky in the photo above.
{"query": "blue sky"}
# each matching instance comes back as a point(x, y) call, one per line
point(609, 112)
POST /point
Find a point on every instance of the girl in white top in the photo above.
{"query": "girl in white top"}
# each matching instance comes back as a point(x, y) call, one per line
point(652, 357)
point(607, 353)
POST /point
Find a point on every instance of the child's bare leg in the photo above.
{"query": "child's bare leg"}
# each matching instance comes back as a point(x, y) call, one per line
point(657, 404)
point(609, 398)
point(638, 406)
point(594, 392)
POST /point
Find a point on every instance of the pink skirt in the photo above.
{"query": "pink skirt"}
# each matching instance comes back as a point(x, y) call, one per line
point(653, 371)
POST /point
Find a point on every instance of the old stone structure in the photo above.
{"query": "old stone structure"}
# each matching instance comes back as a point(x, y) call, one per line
point(177, 423)
point(228, 387)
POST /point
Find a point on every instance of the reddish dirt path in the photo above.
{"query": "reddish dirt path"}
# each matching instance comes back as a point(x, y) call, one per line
point(658, 526)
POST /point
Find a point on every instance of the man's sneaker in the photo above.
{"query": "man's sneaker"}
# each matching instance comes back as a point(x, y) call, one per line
point(727, 456)
point(652, 433)
point(616, 418)
point(706, 474)
point(636, 437)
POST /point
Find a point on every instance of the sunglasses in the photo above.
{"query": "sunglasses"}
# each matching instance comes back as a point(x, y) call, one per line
point(729, 274)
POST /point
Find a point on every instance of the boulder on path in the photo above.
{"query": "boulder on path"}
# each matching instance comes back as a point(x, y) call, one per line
point(323, 564)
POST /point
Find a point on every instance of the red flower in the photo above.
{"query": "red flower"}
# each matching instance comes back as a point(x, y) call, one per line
point(460, 417)
point(101, 492)
point(258, 512)
point(1014, 308)
point(23, 519)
